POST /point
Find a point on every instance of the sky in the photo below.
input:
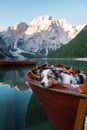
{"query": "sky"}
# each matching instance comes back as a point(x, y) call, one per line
point(15, 11)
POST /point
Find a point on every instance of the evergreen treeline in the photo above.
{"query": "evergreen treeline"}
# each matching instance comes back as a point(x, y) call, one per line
point(74, 49)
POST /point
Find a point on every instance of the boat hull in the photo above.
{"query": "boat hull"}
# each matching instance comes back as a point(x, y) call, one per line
point(63, 110)
point(16, 62)
point(65, 105)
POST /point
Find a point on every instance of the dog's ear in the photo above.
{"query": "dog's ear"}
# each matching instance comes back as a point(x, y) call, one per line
point(57, 71)
point(40, 71)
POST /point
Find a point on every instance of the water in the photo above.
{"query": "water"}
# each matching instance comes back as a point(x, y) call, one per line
point(15, 97)
point(13, 106)
point(13, 101)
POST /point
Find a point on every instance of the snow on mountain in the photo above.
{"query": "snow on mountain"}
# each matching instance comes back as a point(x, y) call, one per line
point(57, 27)
point(9, 37)
point(49, 32)
point(18, 31)
point(42, 35)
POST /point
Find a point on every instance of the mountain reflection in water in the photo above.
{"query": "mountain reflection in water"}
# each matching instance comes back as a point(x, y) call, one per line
point(13, 107)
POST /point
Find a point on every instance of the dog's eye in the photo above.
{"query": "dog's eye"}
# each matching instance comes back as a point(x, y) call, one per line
point(49, 77)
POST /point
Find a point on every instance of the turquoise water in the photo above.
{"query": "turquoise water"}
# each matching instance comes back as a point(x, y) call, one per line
point(15, 97)
point(13, 107)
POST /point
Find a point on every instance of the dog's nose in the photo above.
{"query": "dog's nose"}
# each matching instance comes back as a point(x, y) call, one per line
point(42, 83)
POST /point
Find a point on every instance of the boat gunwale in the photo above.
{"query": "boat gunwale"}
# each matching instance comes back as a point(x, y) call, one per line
point(17, 62)
point(69, 92)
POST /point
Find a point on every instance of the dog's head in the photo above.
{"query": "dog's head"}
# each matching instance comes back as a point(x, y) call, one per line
point(48, 78)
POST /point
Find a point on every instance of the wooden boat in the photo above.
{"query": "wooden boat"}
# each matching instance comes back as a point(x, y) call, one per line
point(16, 62)
point(65, 105)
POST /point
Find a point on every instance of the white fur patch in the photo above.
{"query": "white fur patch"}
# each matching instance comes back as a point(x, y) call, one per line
point(46, 76)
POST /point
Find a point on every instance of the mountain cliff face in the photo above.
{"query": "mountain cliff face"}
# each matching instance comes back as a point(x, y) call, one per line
point(42, 35)
point(76, 48)
point(9, 38)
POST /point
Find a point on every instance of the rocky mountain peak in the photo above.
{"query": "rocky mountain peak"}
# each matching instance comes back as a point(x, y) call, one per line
point(20, 27)
point(18, 30)
point(47, 23)
point(42, 35)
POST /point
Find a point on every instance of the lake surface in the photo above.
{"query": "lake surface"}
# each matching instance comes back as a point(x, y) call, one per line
point(15, 96)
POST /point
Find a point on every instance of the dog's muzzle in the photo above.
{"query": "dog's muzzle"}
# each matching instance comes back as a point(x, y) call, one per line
point(43, 85)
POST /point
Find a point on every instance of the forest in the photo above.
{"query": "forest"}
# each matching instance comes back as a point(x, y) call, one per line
point(76, 48)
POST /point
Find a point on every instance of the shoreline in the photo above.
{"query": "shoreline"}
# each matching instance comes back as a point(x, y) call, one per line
point(81, 59)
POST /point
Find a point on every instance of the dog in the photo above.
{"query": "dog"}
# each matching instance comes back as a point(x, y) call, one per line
point(48, 78)
point(53, 76)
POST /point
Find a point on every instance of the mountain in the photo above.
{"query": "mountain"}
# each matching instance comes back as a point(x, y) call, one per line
point(9, 38)
point(41, 36)
point(77, 47)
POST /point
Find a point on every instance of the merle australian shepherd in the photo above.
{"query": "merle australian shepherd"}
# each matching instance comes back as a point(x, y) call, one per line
point(53, 76)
